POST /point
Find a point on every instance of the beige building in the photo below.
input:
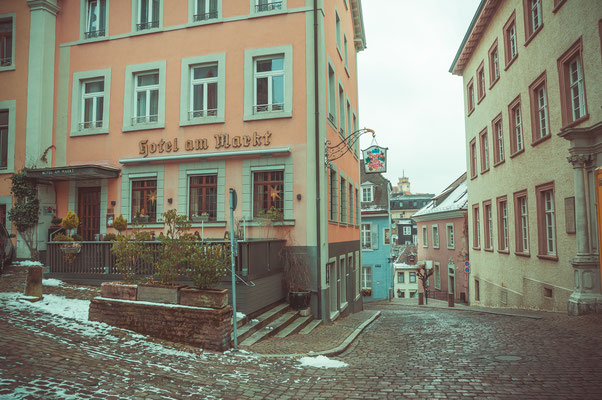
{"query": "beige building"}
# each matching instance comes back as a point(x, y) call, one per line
point(532, 92)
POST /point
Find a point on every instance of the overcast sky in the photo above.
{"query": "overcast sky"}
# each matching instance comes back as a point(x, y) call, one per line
point(407, 94)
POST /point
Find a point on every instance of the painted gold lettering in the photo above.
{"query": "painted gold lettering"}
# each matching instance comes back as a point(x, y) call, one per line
point(256, 139)
point(246, 140)
point(236, 141)
point(222, 141)
point(189, 146)
point(143, 147)
point(175, 145)
point(204, 145)
point(168, 147)
point(161, 145)
point(153, 148)
point(267, 137)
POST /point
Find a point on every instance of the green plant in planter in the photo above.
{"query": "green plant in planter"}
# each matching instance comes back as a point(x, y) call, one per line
point(132, 254)
point(175, 247)
point(70, 222)
point(109, 237)
point(207, 264)
point(69, 250)
point(25, 210)
point(272, 214)
point(120, 224)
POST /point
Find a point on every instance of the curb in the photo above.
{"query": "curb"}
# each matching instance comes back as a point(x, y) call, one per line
point(465, 308)
point(331, 352)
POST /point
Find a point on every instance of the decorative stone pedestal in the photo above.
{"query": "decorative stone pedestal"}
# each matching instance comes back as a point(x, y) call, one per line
point(33, 287)
point(586, 297)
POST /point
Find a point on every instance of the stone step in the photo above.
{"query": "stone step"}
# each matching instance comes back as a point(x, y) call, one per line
point(260, 322)
point(294, 327)
point(310, 327)
point(273, 328)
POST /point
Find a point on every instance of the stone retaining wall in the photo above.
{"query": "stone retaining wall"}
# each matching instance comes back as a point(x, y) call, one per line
point(202, 327)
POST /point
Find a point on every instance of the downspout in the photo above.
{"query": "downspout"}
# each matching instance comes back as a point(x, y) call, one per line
point(318, 167)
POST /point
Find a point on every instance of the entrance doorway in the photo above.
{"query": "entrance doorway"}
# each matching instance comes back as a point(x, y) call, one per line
point(452, 280)
point(88, 211)
point(334, 281)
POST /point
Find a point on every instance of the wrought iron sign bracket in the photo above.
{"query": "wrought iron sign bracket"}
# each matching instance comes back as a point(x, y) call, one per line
point(334, 152)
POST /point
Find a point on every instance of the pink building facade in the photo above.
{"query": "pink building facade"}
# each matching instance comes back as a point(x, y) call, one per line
point(443, 241)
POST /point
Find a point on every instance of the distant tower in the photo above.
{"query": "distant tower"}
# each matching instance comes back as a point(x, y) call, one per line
point(403, 184)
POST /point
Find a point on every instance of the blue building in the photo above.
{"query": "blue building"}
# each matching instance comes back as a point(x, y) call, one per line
point(377, 268)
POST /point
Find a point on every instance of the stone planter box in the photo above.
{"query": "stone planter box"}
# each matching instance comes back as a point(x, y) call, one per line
point(210, 298)
point(118, 290)
point(166, 294)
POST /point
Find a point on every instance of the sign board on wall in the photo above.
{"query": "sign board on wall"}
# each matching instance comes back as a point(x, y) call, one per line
point(375, 159)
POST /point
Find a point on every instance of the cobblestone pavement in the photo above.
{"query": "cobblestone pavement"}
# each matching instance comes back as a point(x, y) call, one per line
point(406, 353)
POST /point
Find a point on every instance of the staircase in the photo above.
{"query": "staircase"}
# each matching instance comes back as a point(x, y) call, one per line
point(279, 321)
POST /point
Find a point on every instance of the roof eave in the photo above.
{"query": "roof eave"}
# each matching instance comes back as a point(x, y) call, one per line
point(358, 25)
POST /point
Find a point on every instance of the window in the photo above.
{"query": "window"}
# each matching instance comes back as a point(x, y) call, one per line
point(437, 276)
point(366, 234)
point(202, 197)
point(343, 200)
point(412, 277)
point(268, 192)
point(146, 97)
point(476, 227)
point(484, 143)
point(407, 230)
point(333, 196)
point(572, 85)
point(90, 102)
point(477, 290)
point(470, 96)
point(95, 19)
point(366, 277)
point(449, 233)
point(498, 138)
point(7, 42)
point(205, 9)
point(267, 5)
point(510, 47)
point(521, 222)
point(357, 142)
point(346, 51)
point(539, 109)
point(387, 236)
point(349, 131)
point(533, 18)
point(268, 83)
point(144, 200)
point(435, 236)
point(488, 220)
point(367, 194)
point(425, 241)
point(546, 220)
point(332, 100)
point(341, 112)
point(473, 158)
point(3, 216)
point(3, 139)
point(338, 30)
point(502, 224)
point(357, 206)
point(516, 127)
point(481, 82)
point(401, 277)
point(148, 14)
point(342, 281)
point(351, 219)
point(494, 64)
point(202, 89)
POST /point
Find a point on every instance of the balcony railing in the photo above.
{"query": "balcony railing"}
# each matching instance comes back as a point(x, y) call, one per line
point(6, 61)
point(147, 25)
point(261, 108)
point(205, 16)
point(212, 112)
point(145, 119)
point(274, 5)
point(90, 125)
point(94, 34)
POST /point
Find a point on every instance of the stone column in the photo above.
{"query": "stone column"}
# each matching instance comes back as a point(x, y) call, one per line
point(586, 296)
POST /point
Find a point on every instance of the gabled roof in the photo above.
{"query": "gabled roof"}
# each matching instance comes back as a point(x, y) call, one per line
point(381, 189)
point(358, 25)
point(452, 198)
point(477, 27)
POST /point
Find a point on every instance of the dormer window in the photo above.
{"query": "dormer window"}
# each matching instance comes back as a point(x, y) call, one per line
point(367, 194)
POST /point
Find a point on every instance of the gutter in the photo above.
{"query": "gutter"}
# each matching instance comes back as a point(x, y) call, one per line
point(318, 164)
point(467, 35)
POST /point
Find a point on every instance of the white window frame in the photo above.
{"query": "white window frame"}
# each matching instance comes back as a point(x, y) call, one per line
point(576, 89)
point(489, 211)
point(332, 99)
point(101, 31)
point(129, 174)
point(250, 92)
point(524, 222)
point(77, 102)
point(407, 230)
point(250, 166)
point(148, 91)
point(186, 94)
point(505, 237)
point(94, 96)
point(206, 15)
point(366, 231)
point(518, 128)
point(449, 234)
point(337, 22)
point(437, 275)
point(425, 237)
point(262, 7)
point(10, 106)
point(385, 230)
point(342, 110)
point(367, 277)
point(154, 22)
point(496, 64)
point(500, 140)
point(512, 40)
point(549, 221)
point(542, 111)
point(269, 75)
point(367, 194)
point(186, 170)
point(129, 103)
point(13, 18)
point(535, 15)
point(412, 275)
point(435, 236)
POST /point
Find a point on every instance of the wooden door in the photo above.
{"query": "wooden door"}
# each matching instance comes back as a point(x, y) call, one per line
point(88, 212)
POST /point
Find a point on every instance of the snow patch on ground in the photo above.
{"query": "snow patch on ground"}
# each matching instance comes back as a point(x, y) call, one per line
point(321, 362)
point(52, 282)
point(26, 263)
point(240, 315)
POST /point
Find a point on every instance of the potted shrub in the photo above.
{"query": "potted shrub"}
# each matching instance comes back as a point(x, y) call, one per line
point(207, 264)
point(296, 278)
point(120, 224)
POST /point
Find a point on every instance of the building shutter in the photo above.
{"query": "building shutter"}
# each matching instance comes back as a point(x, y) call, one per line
point(374, 229)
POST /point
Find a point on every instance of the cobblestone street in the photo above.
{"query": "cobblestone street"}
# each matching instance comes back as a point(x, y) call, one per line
point(407, 352)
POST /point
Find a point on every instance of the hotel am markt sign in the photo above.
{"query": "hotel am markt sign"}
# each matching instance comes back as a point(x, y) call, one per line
point(375, 159)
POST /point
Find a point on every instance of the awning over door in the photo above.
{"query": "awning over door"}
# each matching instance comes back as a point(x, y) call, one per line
point(74, 173)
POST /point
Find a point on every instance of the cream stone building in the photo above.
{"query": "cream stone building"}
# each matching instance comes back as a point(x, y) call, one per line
point(532, 92)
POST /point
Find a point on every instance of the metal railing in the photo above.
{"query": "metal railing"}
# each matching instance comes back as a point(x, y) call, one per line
point(145, 119)
point(6, 61)
point(90, 125)
point(260, 108)
point(94, 34)
point(147, 25)
point(212, 112)
point(205, 16)
point(274, 5)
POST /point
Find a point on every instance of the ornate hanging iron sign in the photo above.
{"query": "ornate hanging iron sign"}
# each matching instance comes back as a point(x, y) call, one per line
point(375, 159)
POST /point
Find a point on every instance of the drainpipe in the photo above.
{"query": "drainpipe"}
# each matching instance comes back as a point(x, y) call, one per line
point(318, 168)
